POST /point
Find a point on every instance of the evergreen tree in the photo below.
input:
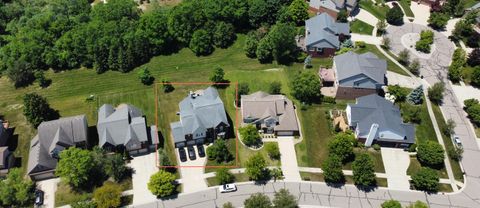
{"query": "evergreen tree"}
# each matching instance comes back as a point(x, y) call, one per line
point(416, 96)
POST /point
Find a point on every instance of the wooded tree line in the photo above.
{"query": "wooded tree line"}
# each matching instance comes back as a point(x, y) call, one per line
point(67, 34)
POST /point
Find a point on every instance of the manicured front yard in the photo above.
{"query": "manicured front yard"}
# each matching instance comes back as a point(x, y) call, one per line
point(307, 176)
point(361, 27)
point(406, 8)
point(376, 157)
point(239, 177)
point(378, 11)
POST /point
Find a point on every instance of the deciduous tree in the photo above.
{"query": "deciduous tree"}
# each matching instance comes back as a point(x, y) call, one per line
point(284, 199)
point(162, 183)
point(107, 196)
point(306, 87)
point(75, 167)
point(332, 169)
point(363, 170)
point(430, 153)
point(258, 200)
point(256, 167)
point(426, 179)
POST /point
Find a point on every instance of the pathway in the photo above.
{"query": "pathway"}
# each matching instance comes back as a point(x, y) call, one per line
point(190, 172)
point(365, 38)
point(49, 187)
point(401, 80)
point(143, 167)
point(289, 159)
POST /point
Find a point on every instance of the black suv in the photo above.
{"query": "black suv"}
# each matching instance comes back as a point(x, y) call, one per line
point(201, 150)
point(191, 153)
point(182, 154)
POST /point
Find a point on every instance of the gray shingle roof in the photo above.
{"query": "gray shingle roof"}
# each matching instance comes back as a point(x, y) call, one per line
point(323, 31)
point(351, 64)
point(121, 126)
point(323, 3)
point(261, 105)
point(372, 109)
point(57, 134)
point(198, 113)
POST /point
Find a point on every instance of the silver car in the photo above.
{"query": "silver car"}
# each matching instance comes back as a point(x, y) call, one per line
point(227, 188)
point(456, 140)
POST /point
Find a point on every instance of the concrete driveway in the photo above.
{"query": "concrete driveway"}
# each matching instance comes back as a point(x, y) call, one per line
point(401, 80)
point(191, 172)
point(143, 167)
point(396, 162)
point(49, 187)
point(289, 159)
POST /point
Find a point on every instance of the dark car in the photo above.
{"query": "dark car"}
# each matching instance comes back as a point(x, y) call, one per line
point(39, 197)
point(191, 153)
point(201, 150)
point(182, 154)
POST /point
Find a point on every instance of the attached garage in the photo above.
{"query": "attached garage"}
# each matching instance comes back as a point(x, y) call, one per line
point(285, 133)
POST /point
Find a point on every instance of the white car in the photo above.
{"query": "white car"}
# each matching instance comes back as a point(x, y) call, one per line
point(227, 188)
point(457, 141)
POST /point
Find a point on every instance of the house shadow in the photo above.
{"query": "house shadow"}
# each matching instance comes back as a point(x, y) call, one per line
point(92, 137)
point(12, 141)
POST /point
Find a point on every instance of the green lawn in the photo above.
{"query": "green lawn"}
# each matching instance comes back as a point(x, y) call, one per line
point(360, 27)
point(470, 3)
point(415, 166)
point(376, 157)
point(406, 8)
point(307, 176)
point(457, 171)
point(378, 11)
point(239, 177)
point(390, 65)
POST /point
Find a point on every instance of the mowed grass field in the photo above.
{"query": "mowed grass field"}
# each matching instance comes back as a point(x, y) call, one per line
point(69, 89)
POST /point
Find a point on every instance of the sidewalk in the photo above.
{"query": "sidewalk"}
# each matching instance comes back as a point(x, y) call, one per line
point(289, 159)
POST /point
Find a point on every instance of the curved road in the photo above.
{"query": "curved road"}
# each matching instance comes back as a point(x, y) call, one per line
point(320, 194)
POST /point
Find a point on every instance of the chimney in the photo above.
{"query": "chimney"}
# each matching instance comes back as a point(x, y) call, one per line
point(371, 136)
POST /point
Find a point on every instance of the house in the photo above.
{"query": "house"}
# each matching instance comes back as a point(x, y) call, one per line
point(273, 114)
point(323, 35)
point(378, 121)
point(53, 137)
point(202, 119)
point(124, 128)
point(357, 75)
point(332, 7)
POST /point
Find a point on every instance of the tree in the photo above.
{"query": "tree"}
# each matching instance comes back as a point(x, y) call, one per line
point(40, 77)
point(342, 146)
point(219, 151)
point(217, 75)
point(342, 16)
point(458, 62)
point(474, 57)
point(438, 20)
point(381, 26)
point(256, 167)
point(280, 40)
point(115, 167)
point(84, 204)
point(243, 89)
point(398, 92)
point(426, 179)
point(332, 169)
point(414, 67)
point(37, 109)
point(404, 57)
point(272, 150)
point(456, 153)
point(283, 199)
point(145, 77)
point(363, 170)
point(449, 127)
point(386, 42)
point(228, 205)
point(391, 204)
point(250, 135)
point(435, 93)
point(258, 200)
point(275, 87)
point(15, 190)
point(416, 96)
point(201, 43)
point(162, 183)
point(418, 204)
point(298, 11)
point(306, 87)
point(264, 50)
point(224, 35)
point(475, 79)
point(223, 176)
point(430, 153)
point(109, 195)
point(462, 28)
point(167, 85)
point(394, 16)
point(251, 43)
point(276, 173)
point(472, 107)
point(75, 166)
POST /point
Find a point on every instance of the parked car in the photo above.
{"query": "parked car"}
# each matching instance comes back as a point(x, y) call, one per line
point(456, 140)
point(182, 154)
point(227, 188)
point(201, 150)
point(191, 153)
point(39, 197)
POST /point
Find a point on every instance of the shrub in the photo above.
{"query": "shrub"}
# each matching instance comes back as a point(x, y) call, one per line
point(109, 195)
point(404, 57)
point(223, 176)
point(275, 87)
point(201, 43)
point(255, 167)
point(145, 77)
point(455, 153)
point(342, 146)
point(430, 153)
point(219, 151)
point(435, 93)
point(394, 15)
point(258, 200)
point(284, 199)
point(162, 183)
point(332, 169)
point(360, 44)
point(400, 93)
point(474, 57)
point(414, 67)
point(438, 20)
point(426, 179)
point(426, 39)
point(386, 42)
point(376, 147)
point(391, 204)
point(412, 148)
point(272, 150)
point(250, 135)
point(411, 113)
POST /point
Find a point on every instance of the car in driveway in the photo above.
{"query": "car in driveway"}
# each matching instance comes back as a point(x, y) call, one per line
point(227, 188)
point(182, 154)
point(39, 197)
point(191, 153)
point(456, 140)
point(201, 150)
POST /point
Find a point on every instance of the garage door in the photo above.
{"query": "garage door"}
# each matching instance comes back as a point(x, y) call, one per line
point(43, 176)
point(285, 133)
